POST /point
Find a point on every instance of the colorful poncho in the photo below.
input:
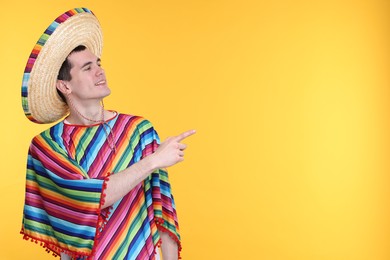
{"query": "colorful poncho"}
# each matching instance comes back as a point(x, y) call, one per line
point(67, 170)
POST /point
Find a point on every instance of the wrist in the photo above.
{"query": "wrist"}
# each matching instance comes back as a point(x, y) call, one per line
point(149, 163)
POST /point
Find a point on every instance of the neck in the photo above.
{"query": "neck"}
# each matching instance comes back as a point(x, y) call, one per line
point(87, 115)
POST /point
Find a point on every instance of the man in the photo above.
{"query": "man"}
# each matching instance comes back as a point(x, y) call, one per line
point(96, 187)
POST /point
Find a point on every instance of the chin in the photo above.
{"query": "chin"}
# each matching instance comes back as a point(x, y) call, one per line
point(107, 93)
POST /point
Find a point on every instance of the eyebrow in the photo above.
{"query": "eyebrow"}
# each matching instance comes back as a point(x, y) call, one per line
point(90, 62)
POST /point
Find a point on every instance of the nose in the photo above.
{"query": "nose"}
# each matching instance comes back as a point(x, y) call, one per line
point(99, 71)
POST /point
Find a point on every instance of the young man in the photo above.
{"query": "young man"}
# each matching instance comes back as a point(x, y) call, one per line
point(96, 187)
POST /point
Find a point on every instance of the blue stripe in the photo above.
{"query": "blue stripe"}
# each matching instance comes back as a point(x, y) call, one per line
point(93, 147)
point(89, 185)
point(138, 241)
point(36, 214)
point(68, 228)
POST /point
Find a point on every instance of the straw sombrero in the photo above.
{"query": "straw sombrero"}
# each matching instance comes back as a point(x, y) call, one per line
point(40, 100)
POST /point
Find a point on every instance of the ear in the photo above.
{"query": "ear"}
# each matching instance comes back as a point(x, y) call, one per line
point(63, 87)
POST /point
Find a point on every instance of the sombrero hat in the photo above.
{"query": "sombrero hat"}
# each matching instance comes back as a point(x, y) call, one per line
point(40, 100)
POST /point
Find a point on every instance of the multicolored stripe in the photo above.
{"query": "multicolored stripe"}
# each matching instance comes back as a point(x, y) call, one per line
point(67, 169)
point(36, 50)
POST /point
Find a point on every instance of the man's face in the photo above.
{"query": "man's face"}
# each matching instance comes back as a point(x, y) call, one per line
point(88, 78)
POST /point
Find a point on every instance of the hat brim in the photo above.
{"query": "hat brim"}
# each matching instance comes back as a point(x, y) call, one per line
point(40, 100)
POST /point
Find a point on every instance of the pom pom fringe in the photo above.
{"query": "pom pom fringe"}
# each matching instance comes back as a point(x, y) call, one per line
point(56, 250)
point(160, 222)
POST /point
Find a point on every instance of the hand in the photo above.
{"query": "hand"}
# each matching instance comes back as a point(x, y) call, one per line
point(171, 151)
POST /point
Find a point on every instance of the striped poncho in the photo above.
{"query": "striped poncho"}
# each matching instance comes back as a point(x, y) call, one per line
point(67, 170)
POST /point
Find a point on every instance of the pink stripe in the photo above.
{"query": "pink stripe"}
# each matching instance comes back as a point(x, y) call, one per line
point(117, 217)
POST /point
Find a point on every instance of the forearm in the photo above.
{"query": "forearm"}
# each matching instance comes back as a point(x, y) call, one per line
point(123, 182)
point(167, 154)
point(169, 247)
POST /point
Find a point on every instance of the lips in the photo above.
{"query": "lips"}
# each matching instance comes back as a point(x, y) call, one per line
point(101, 82)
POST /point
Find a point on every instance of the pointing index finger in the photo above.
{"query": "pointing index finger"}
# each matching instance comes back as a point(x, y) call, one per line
point(185, 135)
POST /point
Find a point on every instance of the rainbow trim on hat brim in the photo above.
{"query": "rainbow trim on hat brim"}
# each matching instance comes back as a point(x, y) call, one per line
point(36, 50)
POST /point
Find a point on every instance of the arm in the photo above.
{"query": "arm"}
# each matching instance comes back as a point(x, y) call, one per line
point(169, 247)
point(169, 153)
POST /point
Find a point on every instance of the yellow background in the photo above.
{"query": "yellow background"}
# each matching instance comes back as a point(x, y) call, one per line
point(290, 100)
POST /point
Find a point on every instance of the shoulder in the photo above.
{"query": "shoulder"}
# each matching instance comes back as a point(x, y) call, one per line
point(136, 128)
point(135, 121)
point(49, 139)
point(51, 132)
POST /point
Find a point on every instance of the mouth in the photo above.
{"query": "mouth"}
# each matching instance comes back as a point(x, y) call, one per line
point(101, 82)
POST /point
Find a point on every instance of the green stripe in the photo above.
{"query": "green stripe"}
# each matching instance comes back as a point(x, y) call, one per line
point(85, 140)
point(144, 126)
point(58, 149)
point(128, 153)
point(134, 228)
point(84, 196)
point(47, 230)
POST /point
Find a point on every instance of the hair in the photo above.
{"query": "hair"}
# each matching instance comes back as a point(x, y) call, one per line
point(64, 72)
